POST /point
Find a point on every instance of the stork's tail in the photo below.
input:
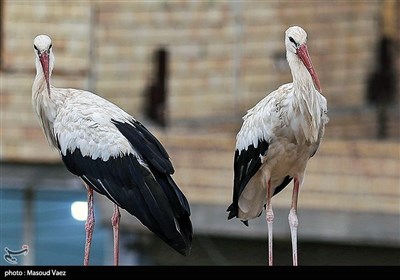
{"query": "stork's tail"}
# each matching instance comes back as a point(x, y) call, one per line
point(163, 208)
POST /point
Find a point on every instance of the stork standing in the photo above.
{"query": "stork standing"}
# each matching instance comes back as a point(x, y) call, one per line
point(114, 154)
point(278, 137)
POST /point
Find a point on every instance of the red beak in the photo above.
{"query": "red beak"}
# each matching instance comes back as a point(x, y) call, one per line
point(302, 53)
point(44, 60)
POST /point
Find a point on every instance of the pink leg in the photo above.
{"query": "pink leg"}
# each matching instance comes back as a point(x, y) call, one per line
point(270, 220)
point(293, 221)
point(89, 226)
point(115, 223)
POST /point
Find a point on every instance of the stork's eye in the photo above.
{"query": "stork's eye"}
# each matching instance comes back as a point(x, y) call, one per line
point(50, 46)
point(293, 41)
point(36, 49)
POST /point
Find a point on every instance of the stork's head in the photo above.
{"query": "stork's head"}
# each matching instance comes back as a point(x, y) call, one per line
point(295, 41)
point(44, 57)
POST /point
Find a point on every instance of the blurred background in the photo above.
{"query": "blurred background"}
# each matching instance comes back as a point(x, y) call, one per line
point(189, 70)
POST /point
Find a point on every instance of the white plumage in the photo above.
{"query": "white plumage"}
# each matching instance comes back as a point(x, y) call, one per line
point(277, 138)
point(91, 129)
point(113, 154)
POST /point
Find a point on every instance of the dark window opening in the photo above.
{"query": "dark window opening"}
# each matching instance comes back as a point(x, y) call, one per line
point(157, 89)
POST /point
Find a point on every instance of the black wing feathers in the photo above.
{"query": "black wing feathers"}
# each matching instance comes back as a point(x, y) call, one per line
point(143, 186)
point(246, 164)
point(146, 144)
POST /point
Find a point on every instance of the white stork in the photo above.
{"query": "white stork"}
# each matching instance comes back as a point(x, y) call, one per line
point(114, 154)
point(278, 137)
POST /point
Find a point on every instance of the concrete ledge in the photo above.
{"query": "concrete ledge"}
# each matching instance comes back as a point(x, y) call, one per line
point(314, 225)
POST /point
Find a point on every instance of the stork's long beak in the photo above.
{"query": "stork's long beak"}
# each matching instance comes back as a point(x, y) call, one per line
point(44, 60)
point(302, 53)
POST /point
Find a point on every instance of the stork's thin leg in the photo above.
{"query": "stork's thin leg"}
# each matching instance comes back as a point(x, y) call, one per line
point(89, 226)
point(115, 223)
point(270, 220)
point(293, 221)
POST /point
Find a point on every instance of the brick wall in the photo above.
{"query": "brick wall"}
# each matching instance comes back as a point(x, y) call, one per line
point(225, 56)
point(344, 175)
